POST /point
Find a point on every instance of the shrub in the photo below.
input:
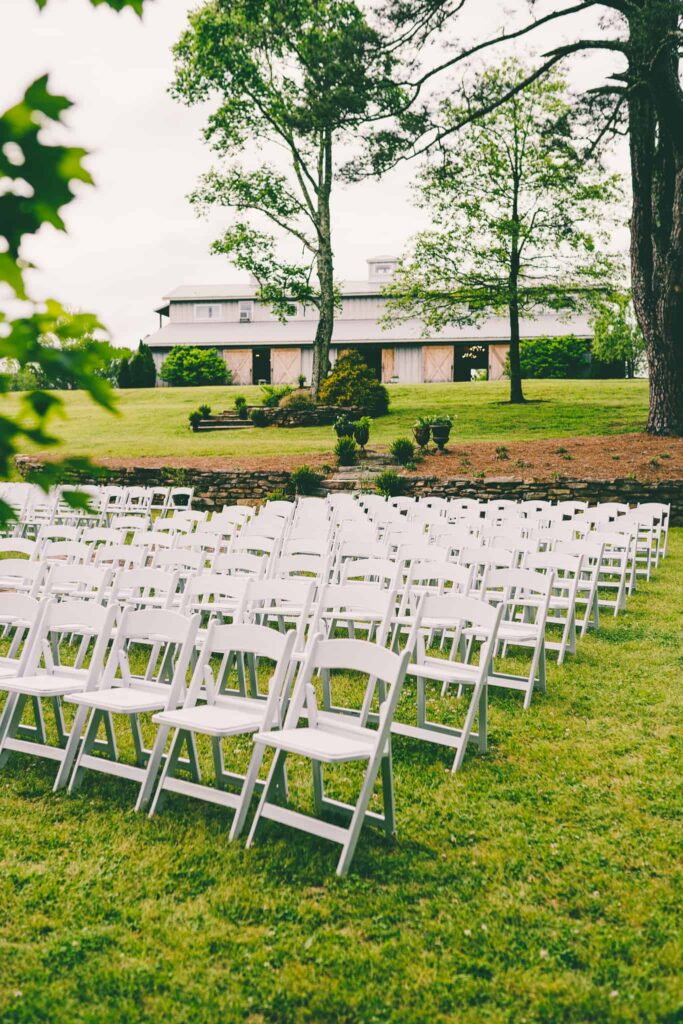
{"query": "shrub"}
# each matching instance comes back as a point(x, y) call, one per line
point(300, 399)
point(273, 394)
point(301, 380)
point(346, 452)
point(189, 366)
point(123, 378)
point(258, 417)
point(390, 484)
point(241, 407)
point(195, 419)
point(361, 432)
point(566, 356)
point(278, 495)
point(304, 480)
point(343, 426)
point(352, 383)
point(402, 451)
point(143, 372)
point(205, 410)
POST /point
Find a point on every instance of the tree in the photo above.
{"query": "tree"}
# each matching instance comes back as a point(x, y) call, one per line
point(143, 372)
point(43, 174)
point(123, 378)
point(189, 366)
point(514, 208)
point(617, 335)
point(304, 76)
point(642, 97)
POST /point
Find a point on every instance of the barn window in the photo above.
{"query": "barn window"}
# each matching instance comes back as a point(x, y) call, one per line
point(207, 311)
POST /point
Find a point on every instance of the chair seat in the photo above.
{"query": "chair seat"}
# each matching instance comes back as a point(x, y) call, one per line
point(126, 700)
point(43, 686)
point(320, 744)
point(510, 632)
point(214, 720)
point(443, 671)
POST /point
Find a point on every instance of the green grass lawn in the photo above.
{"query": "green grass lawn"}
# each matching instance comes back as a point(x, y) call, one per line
point(542, 884)
point(154, 422)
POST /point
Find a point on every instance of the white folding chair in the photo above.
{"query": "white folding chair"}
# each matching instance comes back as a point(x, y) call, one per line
point(566, 570)
point(50, 674)
point(118, 691)
point(328, 739)
point(453, 614)
point(22, 576)
point(221, 716)
point(19, 614)
point(525, 596)
point(78, 582)
point(145, 588)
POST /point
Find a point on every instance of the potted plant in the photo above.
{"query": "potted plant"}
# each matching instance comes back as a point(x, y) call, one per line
point(205, 410)
point(422, 429)
point(343, 426)
point(361, 432)
point(441, 431)
point(301, 380)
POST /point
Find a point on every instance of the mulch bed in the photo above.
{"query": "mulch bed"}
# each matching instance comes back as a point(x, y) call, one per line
point(587, 458)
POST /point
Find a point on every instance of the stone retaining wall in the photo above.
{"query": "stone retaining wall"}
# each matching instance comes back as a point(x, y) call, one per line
point(215, 488)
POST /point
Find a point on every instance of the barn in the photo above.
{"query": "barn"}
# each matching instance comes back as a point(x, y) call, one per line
point(258, 348)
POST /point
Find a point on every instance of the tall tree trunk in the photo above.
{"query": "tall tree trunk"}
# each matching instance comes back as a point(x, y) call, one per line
point(516, 393)
point(325, 267)
point(656, 150)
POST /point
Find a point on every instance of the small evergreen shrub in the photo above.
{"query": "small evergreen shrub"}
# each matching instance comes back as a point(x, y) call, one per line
point(258, 417)
point(143, 372)
point(390, 484)
point(195, 419)
point(241, 407)
point(352, 383)
point(346, 451)
point(402, 451)
point(304, 481)
point(205, 410)
point(301, 380)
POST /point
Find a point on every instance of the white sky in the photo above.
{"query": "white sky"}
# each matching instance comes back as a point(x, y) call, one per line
point(134, 237)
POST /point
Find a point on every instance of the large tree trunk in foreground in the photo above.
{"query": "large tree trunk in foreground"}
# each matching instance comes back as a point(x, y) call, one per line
point(656, 147)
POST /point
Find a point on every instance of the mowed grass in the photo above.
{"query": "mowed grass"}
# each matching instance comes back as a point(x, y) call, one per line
point(154, 422)
point(542, 884)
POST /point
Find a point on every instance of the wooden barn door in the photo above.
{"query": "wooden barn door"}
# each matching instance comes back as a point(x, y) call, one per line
point(437, 361)
point(238, 361)
point(388, 361)
point(285, 365)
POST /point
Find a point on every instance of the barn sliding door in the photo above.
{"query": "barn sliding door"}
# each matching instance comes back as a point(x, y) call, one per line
point(437, 363)
point(285, 365)
point(238, 361)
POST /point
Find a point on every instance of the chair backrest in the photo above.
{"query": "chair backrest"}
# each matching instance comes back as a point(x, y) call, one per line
point(57, 533)
point(82, 582)
point(120, 556)
point(170, 637)
point(95, 535)
point(20, 574)
point(301, 565)
point(338, 602)
point(241, 564)
point(381, 571)
point(63, 621)
point(74, 551)
point(137, 585)
point(20, 617)
point(273, 598)
point(18, 546)
point(215, 594)
point(177, 559)
point(519, 588)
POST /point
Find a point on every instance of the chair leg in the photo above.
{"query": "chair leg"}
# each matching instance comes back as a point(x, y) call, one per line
point(85, 748)
point(153, 763)
point(276, 768)
point(71, 748)
point(247, 791)
point(358, 817)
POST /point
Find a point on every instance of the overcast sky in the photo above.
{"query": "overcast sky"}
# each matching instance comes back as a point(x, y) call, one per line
point(134, 237)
